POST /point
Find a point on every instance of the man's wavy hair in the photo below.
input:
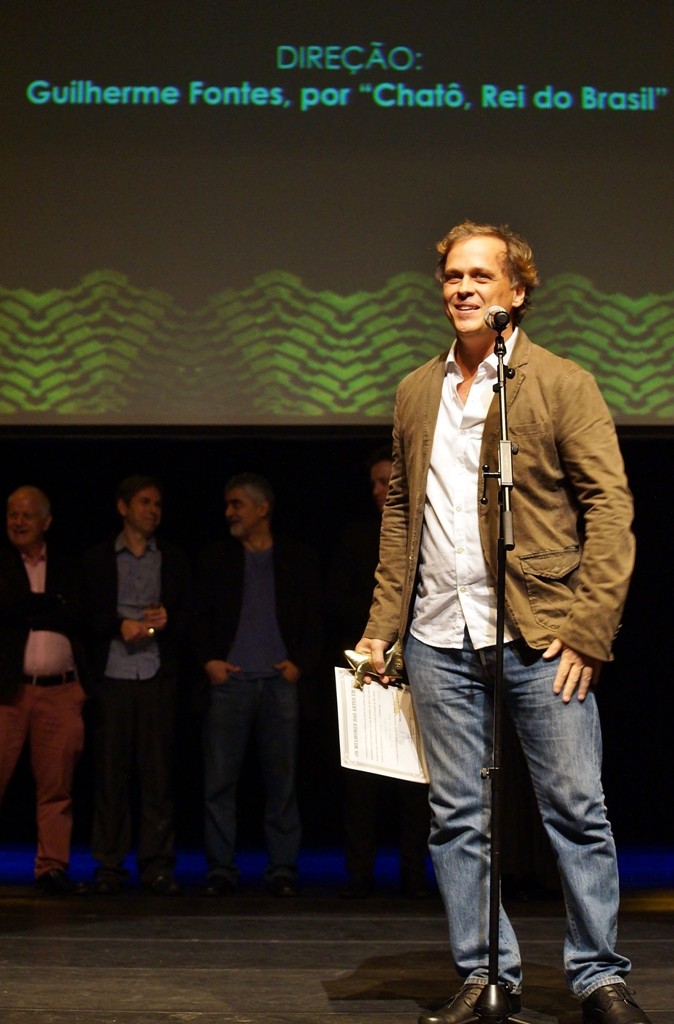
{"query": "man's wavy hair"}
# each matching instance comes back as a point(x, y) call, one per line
point(519, 259)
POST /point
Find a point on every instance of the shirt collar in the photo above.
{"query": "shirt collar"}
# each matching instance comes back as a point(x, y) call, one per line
point(451, 365)
point(121, 545)
point(35, 559)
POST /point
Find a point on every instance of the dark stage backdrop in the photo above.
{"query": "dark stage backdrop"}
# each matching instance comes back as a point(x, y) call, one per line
point(218, 239)
point(219, 212)
point(321, 486)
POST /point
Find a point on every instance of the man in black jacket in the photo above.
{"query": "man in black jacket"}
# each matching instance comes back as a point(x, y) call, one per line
point(138, 592)
point(258, 635)
point(41, 664)
point(368, 798)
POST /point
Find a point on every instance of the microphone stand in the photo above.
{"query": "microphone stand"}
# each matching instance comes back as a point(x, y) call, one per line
point(493, 1005)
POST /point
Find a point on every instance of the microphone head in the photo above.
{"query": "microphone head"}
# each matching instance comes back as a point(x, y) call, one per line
point(497, 318)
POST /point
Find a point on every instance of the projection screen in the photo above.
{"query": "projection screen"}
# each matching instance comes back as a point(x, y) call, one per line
point(224, 213)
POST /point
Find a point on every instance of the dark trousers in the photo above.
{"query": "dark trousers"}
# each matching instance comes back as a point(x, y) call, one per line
point(134, 727)
point(367, 799)
point(268, 710)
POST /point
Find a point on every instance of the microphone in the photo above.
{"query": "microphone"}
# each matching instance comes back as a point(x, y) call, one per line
point(497, 318)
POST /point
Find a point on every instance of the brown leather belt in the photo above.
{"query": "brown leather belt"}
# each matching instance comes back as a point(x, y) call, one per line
point(56, 680)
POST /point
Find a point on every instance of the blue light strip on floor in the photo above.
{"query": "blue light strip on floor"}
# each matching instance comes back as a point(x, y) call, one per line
point(640, 867)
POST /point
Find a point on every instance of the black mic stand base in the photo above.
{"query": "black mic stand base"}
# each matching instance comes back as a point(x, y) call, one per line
point(523, 1016)
point(493, 1008)
point(531, 1017)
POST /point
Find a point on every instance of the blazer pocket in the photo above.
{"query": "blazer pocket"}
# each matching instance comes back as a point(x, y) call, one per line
point(550, 581)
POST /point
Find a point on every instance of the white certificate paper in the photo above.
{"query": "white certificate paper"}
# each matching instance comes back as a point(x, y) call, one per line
point(378, 729)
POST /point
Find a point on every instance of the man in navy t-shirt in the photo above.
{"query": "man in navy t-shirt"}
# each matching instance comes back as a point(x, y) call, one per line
point(258, 635)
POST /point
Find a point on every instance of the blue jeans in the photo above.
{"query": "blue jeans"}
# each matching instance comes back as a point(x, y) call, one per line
point(453, 698)
point(239, 708)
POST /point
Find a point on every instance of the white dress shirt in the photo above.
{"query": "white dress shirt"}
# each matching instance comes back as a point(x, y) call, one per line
point(455, 589)
point(46, 653)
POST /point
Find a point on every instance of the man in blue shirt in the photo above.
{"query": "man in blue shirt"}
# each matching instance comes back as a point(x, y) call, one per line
point(139, 604)
point(258, 637)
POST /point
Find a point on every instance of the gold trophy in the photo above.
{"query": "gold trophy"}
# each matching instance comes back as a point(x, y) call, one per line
point(362, 665)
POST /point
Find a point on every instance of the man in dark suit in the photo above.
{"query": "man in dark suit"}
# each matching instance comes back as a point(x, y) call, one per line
point(41, 698)
point(370, 799)
point(258, 636)
point(138, 590)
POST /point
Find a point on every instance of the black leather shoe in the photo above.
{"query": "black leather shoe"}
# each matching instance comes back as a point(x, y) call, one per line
point(218, 887)
point(613, 1004)
point(283, 886)
point(107, 885)
point(164, 885)
point(461, 1008)
point(57, 883)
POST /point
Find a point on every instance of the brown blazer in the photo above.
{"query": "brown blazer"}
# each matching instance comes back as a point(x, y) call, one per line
point(568, 574)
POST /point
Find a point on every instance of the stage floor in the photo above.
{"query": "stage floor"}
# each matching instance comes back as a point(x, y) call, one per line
point(251, 958)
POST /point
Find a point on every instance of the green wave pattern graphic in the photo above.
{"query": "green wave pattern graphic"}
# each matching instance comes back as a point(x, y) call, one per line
point(279, 353)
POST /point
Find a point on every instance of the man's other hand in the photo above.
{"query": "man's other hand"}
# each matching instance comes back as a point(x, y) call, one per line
point(576, 672)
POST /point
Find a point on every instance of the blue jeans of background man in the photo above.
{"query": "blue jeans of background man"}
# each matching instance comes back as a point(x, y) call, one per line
point(453, 698)
point(240, 709)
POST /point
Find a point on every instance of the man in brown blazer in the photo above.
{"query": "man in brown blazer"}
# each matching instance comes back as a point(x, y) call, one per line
point(566, 583)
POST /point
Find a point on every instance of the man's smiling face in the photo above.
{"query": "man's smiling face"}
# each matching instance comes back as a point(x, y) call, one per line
point(475, 279)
